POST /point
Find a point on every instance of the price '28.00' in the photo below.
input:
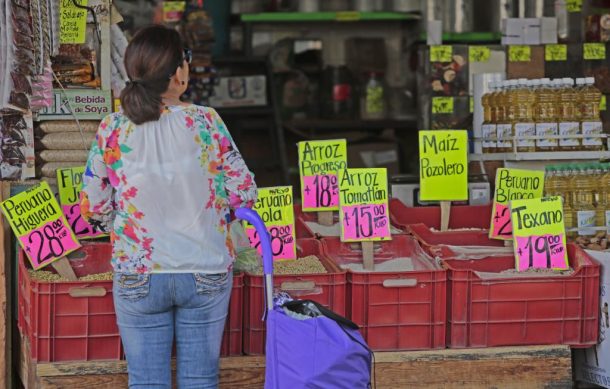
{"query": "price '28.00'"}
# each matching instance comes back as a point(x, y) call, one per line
point(47, 244)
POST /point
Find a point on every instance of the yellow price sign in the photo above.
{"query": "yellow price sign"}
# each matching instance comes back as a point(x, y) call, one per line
point(539, 238)
point(479, 53)
point(69, 185)
point(594, 51)
point(512, 184)
point(574, 5)
point(347, 16)
point(173, 10)
point(40, 226)
point(275, 207)
point(443, 165)
point(555, 52)
point(602, 103)
point(117, 105)
point(471, 104)
point(441, 53)
point(364, 211)
point(319, 162)
point(519, 53)
point(72, 22)
point(442, 105)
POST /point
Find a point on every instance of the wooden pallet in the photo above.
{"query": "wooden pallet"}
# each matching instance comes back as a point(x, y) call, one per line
point(508, 367)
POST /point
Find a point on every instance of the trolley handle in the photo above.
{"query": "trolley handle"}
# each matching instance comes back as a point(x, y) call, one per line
point(253, 218)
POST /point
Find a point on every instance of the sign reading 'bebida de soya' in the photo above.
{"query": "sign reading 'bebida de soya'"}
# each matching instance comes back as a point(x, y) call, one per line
point(512, 184)
point(40, 226)
point(364, 205)
point(319, 162)
point(443, 165)
point(275, 207)
point(539, 233)
point(69, 185)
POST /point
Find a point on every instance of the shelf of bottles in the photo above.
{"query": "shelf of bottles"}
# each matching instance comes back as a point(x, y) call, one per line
point(542, 119)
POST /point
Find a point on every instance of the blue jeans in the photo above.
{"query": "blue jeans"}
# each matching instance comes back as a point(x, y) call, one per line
point(152, 309)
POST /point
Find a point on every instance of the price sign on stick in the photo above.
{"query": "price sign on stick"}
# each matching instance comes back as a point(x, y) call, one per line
point(69, 184)
point(364, 212)
point(539, 233)
point(319, 162)
point(512, 184)
point(40, 226)
point(274, 206)
point(443, 165)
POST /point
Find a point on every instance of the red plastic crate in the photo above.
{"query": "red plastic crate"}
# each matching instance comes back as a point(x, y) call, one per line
point(462, 216)
point(395, 310)
point(527, 310)
point(327, 289)
point(84, 328)
point(232, 338)
point(427, 237)
point(65, 328)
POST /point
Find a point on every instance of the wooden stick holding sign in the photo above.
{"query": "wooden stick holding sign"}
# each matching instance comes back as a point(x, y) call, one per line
point(443, 169)
point(41, 228)
point(319, 162)
point(63, 267)
point(364, 209)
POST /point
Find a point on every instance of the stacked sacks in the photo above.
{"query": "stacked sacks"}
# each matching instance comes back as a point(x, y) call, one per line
point(61, 144)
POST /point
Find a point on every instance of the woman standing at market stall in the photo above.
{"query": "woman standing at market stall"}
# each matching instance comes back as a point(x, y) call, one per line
point(162, 177)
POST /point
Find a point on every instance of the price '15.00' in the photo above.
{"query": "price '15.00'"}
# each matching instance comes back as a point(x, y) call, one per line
point(366, 219)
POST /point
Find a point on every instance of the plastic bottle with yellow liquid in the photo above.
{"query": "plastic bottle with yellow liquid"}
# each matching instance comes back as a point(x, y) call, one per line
point(546, 117)
point(505, 127)
point(589, 115)
point(524, 100)
point(564, 188)
point(584, 201)
point(603, 203)
point(488, 128)
point(568, 116)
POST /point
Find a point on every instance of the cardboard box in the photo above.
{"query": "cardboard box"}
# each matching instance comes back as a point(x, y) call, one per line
point(534, 68)
point(548, 30)
point(513, 31)
point(242, 91)
point(593, 364)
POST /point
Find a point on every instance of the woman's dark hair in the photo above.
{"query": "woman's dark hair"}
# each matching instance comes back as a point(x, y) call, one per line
point(151, 58)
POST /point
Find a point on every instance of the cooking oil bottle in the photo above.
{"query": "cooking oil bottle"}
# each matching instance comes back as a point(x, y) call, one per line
point(590, 120)
point(603, 202)
point(584, 205)
point(550, 181)
point(564, 188)
point(496, 101)
point(597, 178)
point(546, 117)
point(505, 127)
point(580, 85)
point(524, 116)
point(488, 129)
point(568, 117)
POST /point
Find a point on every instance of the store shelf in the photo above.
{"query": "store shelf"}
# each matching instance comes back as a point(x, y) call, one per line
point(469, 37)
point(240, 111)
point(352, 124)
point(345, 16)
point(542, 156)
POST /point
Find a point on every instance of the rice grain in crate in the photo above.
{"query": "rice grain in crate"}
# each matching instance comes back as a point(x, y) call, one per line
point(327, 288)
point(402, 304)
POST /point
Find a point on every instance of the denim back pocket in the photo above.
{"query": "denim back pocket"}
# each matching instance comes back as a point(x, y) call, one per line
point(211, 284)
point(132, 286)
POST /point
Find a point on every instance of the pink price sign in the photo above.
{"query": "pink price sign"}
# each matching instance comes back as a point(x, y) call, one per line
point(282, 241)
point(320, 191)
point(365, 222)
point(47, 243)
point(81, 228)
point(542, 252)
point(502, 225)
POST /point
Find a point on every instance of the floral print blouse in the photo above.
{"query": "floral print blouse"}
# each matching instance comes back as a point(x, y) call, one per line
point(164, 191)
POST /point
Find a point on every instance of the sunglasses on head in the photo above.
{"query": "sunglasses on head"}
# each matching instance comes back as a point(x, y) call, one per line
point(187, 55)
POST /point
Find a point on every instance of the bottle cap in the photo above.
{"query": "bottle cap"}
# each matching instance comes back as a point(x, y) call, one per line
point(536, 82)
point(545, 81)
point(568, 81)
point(580, 81)
point(590, 80)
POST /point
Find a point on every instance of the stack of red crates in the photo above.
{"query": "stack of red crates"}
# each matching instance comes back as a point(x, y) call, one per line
point(63, 327)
